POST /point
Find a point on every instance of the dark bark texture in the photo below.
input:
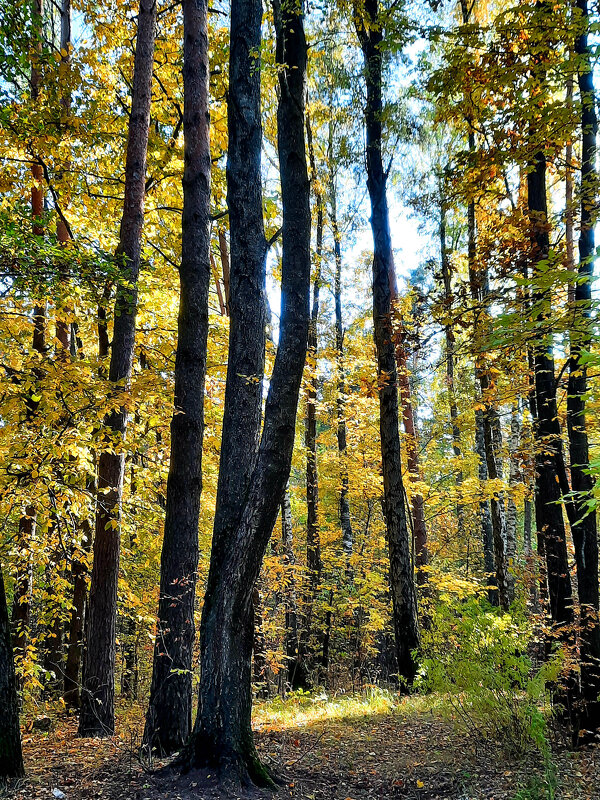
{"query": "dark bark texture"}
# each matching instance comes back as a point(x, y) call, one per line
point(97, 700)
point(345, 520)
point(313, 545)
point(11, 757)
point(222, 733)
point(402, 584)
point(549, 512)
point(584, 526)
point(169, 717)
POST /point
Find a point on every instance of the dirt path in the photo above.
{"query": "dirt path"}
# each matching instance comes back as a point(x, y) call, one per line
point(392, 755)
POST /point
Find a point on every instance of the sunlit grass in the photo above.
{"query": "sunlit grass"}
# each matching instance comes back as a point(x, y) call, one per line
point(304, 708)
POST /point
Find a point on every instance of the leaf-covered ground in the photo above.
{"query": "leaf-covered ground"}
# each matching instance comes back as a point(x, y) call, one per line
point(320, 750)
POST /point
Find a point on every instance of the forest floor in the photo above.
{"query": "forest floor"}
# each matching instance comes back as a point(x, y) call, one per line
point(321, 749)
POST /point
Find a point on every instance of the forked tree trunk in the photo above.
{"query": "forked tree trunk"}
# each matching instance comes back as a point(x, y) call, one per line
point(584, 527)
point(169, 716)
point(222, 734)
point(97, 701)
point(11, 757)
point(402, 584)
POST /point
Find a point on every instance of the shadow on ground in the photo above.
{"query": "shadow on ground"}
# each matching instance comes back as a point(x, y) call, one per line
point(400, 755)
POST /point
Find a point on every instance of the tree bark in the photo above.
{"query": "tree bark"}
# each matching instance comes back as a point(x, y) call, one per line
point(313, 545)
point(169, 716)
point(344, 507)
point(97, 701)
point(584, 527)
point(402, 584)
point(450, 366)
point(222, 733)
point(549, 514)
point(297, 673)
point(511, 506)
point(487, 529)
point(79, 574)
point(419, 528)
point(21, 608)
point(11, 757)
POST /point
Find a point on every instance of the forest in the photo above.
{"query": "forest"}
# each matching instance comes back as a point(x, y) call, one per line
point(300, 399)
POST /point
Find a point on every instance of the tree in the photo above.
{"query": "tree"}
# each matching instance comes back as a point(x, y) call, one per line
point(11, 757)
point(344, 510)
point(169, 716)
point(97, 701)
point(369, 28)
point(584, 526)
point(222, 734)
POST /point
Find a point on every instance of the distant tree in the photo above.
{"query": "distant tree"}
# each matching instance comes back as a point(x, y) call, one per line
point(369, 27)
point(97, 700)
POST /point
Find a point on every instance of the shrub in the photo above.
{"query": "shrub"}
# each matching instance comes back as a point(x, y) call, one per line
point(477, 657)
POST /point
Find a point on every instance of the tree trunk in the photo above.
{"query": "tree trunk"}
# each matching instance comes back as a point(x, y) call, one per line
point(222, 734)
point(486, 514)
point(21, 608)
point(79, 574)
point(344, 508)
point(313, 545)
point(402, 584)
point(169, 716)
point(419, 529)
point(11, 757)
point(97, 701)
point(489, 420)
point(584, 528)
point(549, 513)
point(450, 342)
point(297, 673)
point(511, 506)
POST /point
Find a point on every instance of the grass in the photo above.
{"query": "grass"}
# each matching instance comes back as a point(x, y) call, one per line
point(304, 708)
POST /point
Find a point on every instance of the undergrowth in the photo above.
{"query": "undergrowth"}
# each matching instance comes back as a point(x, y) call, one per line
point(477, 659)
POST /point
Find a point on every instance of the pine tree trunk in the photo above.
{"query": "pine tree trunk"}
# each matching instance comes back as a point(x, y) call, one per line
point(402, 583)
point(97, 701)
point(11, 757)
point(222, 733)
point(584, 528)
point(169, 716)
